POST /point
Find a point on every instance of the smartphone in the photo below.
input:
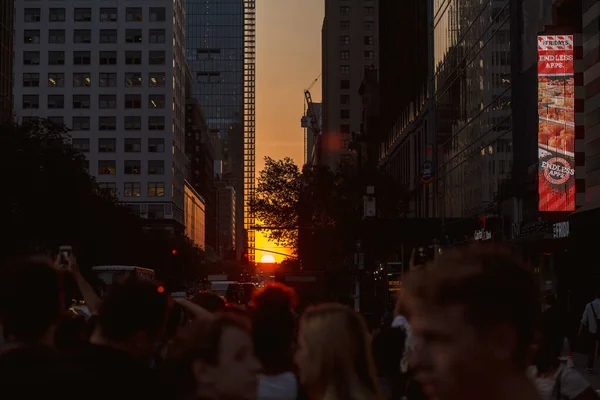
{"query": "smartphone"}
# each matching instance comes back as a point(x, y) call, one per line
point(64, 253)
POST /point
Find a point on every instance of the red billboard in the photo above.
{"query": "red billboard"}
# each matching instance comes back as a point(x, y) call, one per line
point(556, 128)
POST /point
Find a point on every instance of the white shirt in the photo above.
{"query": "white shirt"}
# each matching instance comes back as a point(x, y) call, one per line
point(572, 384)
point(278, 387)
point(588, 316)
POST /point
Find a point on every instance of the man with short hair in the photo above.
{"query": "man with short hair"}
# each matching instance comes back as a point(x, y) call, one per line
point(473, 315)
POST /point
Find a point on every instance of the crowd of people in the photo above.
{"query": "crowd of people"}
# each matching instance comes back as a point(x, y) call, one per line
point(465, 327)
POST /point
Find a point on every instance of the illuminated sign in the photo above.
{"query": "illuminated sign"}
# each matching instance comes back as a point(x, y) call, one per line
point(556, 129)
point(560, 230)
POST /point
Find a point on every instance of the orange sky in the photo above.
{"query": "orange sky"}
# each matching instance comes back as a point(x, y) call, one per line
point(288, 60)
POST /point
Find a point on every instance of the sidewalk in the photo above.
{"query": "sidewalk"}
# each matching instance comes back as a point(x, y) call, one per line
point(580, 361)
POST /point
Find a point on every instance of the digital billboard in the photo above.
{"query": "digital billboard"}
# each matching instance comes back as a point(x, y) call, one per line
point(556, 128)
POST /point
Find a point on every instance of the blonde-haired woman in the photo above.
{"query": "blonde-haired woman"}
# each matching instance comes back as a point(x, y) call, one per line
point(334, 356)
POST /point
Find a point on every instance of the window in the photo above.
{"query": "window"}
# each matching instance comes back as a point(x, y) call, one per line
point(344, 10)
point(108, 188)
point(344, 40)
point(156, 57)
point(108, 15)
point(107, 167)
point(345, 84)
point(369, 25)
point(82, 79)
point(369, 10)
point(133, 101)
point(56, 101)
point(133, 57)
point(83, 15)
point(108, 36)
point(156, 101)
point(108, 58)
point(369, 55)
point(57, 15)
point(156, 167)
point(133, 189)
point(133, 167)
point(107, 145)
point(133, 79)
point(81, 123)
point(133, 145)
point(31, 58)
point(156, 145)
point(57, 120)
point(133, 123)
point(31, 79)
point(345, 129)
point(156, 211)
point(344, 69)
point(344, 114)
point(156, 79)
point(33, 15)
point(133, 36)
point(81, 101)
point(31, 101)
point(156, 123)
point(156, 189)
point(82, 36)
point(107, 123)
point(157, 36)
point(344, 55)
point(345, 99)
point(56, 36)
point(369, 40)
point(56, 58)
point(31, 36)
point(107, 101)
point(107, 79)
point(158, 14)
point(344, 25)
point(56, 79)
point(133, 14)
point(82, 145)
point(82, 58)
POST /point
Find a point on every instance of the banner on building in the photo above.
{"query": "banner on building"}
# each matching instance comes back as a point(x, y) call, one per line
point(556, 130)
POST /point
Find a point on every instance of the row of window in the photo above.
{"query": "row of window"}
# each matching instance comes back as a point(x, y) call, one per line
point(134, 189)
point(84, 57)
point(368, 40)
point(132, 14)
point(109, 123)
point(130, 167)
point(131, 145)
point(105, 79)
point(82, 101)
point(58, 36)
point(367, 25)
point(368, 10)
point(368, 54)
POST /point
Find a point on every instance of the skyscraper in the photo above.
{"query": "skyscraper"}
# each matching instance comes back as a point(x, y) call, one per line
point(113, 73)
point(220, 52)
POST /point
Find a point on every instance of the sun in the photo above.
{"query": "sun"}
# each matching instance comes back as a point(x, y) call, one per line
point(267, 259)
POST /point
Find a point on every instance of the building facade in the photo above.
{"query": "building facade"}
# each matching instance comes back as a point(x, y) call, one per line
point(226, 214)
point(6, 59)
point(194, 210)
point(220, 52)
point(121, 92)
point(349, 44)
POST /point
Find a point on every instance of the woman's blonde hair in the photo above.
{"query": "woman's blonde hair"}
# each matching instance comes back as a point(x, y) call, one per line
point(339, 349)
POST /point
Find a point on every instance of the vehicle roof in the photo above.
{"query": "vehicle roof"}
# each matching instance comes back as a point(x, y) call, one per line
point(120, 268)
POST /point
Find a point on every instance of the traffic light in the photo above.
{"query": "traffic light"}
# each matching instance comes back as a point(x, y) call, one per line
point(245, 259)
point(174, 252)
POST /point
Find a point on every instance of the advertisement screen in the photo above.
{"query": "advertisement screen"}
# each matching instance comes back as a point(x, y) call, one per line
point(556, 129)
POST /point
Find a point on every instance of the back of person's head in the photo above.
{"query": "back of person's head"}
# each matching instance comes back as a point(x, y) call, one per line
point(274, 326)
point(337, 354)
point(72, 331)
point(210, 301)
point(31, 298)
point(133, 308)
point(493, 288)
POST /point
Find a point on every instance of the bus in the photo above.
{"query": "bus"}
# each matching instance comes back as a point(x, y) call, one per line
point(111, 274)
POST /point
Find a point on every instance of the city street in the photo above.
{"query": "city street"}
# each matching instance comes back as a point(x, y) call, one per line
point(580, 361)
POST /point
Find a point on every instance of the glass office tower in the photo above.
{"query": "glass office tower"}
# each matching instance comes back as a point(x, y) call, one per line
point(220, 53)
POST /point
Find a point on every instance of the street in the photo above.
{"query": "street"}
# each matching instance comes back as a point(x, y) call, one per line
point(580, 361)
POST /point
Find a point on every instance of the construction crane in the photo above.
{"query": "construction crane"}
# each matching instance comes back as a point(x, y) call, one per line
point(311, 119)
